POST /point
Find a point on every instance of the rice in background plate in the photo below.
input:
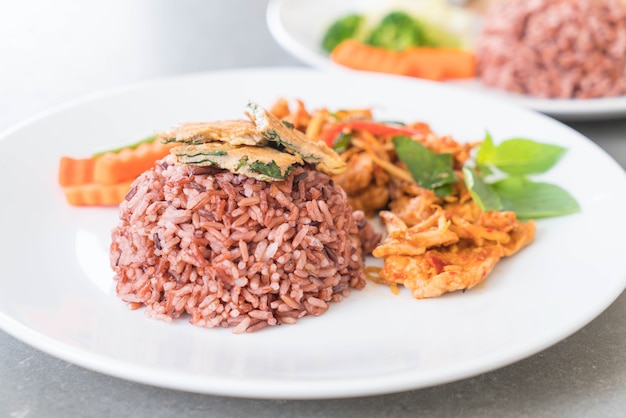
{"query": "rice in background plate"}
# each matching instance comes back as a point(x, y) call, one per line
point(555, 48)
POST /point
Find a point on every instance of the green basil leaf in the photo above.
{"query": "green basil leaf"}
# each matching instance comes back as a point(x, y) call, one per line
point(428, 169)
point(482, 193)
point(533, 200)
point(485, 151)
point(342, 142)
point(242, 162)
point(523, 156)
point(443, 191)
point(485, 170)
point(270, 169)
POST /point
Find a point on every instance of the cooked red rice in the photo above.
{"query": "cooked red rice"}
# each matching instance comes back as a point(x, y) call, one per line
point(231, 251)
point(555, 48)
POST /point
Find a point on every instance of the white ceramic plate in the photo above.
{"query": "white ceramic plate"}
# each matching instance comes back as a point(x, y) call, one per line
point(57, 293)
point(298, 26)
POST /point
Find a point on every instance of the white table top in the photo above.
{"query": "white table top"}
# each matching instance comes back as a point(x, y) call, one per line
point(51, 52)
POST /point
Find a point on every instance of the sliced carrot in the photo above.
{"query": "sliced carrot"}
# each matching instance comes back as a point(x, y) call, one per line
point(127, 164)
point(105, 178)
point(359, 56)
point(459, 63)
point(440, 63)
point(75, 171)
point(94, 194)
point(423, 62)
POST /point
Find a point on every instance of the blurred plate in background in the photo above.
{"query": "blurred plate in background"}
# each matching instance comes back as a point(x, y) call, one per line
point(298, 26)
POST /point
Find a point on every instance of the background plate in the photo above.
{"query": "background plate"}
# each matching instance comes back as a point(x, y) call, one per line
point(298, 26)
point(57, 289)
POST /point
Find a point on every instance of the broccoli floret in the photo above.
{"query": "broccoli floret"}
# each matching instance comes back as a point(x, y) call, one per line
point(398, 31)
point(344, 28)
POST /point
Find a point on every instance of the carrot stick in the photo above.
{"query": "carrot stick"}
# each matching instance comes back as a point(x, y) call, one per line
point(94, 194)
point(127, 164)
point(423, 62)
point(459, 63)
point(440, 63)
point(105, 178)
point(359, 56)
point(75, 171)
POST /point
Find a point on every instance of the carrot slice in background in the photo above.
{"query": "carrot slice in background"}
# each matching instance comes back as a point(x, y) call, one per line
point(422, 62)
point(104, 179)
point(359, 56)
point(75, 171)
point(440, 63)
point(458, 62)
point(127, 164)
point(94, 194)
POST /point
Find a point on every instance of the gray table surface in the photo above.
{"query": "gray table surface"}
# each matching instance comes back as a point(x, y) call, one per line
point(51, 52)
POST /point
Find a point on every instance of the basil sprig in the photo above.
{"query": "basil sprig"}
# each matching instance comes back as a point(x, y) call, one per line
point(482, 193)
point(270, 169)
point(533, 200)
point(497, 178)
point(430, 170)
point(519, 156)
point(342, 142)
